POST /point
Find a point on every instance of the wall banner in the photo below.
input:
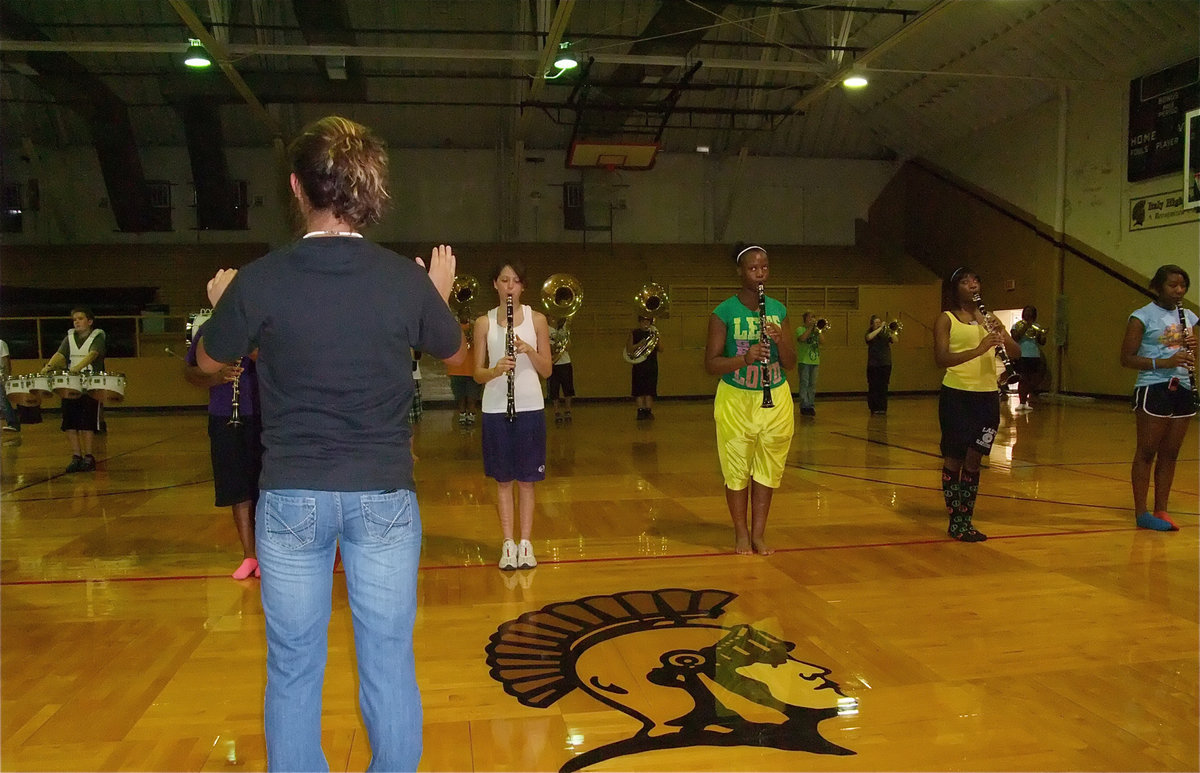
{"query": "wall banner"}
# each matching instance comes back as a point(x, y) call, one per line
point(1160, 210)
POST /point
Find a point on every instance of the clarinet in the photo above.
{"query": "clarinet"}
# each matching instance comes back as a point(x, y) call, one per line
point(1191, 369)
point(235, 419)
point(1010, 375)
point(510, 350)
point(763, 371)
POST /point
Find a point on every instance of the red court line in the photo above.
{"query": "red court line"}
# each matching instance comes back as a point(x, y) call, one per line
point(616, 559)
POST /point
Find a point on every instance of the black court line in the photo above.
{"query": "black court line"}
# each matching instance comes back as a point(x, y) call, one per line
point(1072, 466)
point(57, 475)
point(887, 444)
point(1009, 497)
point(610, 559)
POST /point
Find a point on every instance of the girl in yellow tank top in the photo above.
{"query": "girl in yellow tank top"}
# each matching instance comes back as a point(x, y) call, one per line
point(969, 401)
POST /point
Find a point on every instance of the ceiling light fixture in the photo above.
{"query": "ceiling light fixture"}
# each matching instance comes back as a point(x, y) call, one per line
point(196, 56)
point(565, 60)
point(855, 81)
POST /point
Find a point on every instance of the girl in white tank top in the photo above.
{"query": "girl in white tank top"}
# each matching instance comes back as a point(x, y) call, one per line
point(514, 447)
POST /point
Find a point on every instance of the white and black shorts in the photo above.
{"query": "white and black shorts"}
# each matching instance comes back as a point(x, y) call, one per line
point(1165, 400)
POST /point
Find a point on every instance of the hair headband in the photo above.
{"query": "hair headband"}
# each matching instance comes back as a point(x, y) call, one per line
point(738, 258)
point(961, 270)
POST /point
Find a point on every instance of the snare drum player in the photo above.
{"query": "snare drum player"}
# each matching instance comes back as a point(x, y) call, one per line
point(333, 316)
point(12, 422)
point(235, 449)
point(964, 343)
point(1163, 352)
point(82, 351)
point(752, 441)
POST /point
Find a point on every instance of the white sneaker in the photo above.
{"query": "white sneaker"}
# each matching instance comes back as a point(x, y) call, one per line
point(508, 555)
point(525, 559)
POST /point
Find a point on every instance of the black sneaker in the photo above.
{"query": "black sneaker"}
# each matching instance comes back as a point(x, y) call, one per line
point(76, 464)
point(89, 464)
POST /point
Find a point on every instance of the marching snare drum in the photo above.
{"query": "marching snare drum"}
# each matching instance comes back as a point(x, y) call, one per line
point(195, 321)
point(19, 390)
point(66, 384)
point(40, 387)
point(106, 388)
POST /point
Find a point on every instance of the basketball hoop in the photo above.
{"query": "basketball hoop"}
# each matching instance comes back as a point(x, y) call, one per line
point(612, 156)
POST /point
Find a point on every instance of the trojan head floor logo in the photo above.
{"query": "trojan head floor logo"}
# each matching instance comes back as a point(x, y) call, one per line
point(661, 657)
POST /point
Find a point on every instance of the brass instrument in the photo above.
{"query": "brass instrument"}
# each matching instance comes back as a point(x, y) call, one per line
point(462, 293)
point(562, 295)
point(823, 325)
point(651, 301)
point(895, 327)
point(1023, 329)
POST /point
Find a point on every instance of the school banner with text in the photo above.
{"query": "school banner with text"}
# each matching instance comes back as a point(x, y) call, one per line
point(1159, 210)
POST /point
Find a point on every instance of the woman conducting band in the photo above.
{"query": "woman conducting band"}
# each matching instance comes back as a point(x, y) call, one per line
point(751, 347)
point(1162, 349)
point(514, 419)
point(969, 402)
point(336, 468)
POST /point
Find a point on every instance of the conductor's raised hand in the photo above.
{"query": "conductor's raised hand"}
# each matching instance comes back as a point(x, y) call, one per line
point(219, 284)
point(442, 265)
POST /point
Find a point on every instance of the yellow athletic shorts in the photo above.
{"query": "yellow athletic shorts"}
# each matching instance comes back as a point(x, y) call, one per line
point(753, 441)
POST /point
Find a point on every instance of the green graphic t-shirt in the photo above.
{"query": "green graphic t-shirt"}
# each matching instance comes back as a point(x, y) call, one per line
point(808, 352)
point(742, 332)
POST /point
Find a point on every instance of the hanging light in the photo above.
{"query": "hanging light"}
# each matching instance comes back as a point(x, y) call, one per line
point(196, 56)
point(566, 60)
point(855, 81)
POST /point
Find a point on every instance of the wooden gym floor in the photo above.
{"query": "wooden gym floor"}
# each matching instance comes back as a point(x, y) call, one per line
point(1067, 641)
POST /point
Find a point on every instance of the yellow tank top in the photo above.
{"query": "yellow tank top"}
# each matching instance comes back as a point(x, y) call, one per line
point(977, 375)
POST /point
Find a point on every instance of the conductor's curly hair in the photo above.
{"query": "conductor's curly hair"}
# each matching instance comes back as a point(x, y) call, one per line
point(342, 167)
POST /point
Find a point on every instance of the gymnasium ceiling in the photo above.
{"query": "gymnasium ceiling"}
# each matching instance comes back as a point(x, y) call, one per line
point(756, 76)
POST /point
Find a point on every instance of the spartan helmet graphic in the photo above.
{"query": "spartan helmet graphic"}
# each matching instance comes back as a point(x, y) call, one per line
point(660, 657)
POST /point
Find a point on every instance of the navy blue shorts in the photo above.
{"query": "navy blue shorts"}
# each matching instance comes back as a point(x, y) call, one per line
point(515, 450)
point(968, 420)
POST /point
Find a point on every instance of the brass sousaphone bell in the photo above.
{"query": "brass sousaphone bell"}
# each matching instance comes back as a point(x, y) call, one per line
point(651, 301)
point(462, 293)
point(562, 295)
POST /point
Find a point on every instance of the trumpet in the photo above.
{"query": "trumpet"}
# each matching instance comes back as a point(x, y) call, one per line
point(895, 327)
point(562, 295)
point(1032, 330)
point(823, 324)
point(651, 301)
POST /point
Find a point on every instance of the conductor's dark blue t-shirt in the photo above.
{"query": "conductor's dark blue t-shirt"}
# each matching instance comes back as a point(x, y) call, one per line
point(333, 319)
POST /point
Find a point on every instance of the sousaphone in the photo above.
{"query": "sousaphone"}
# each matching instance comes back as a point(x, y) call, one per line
point(651, 301)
